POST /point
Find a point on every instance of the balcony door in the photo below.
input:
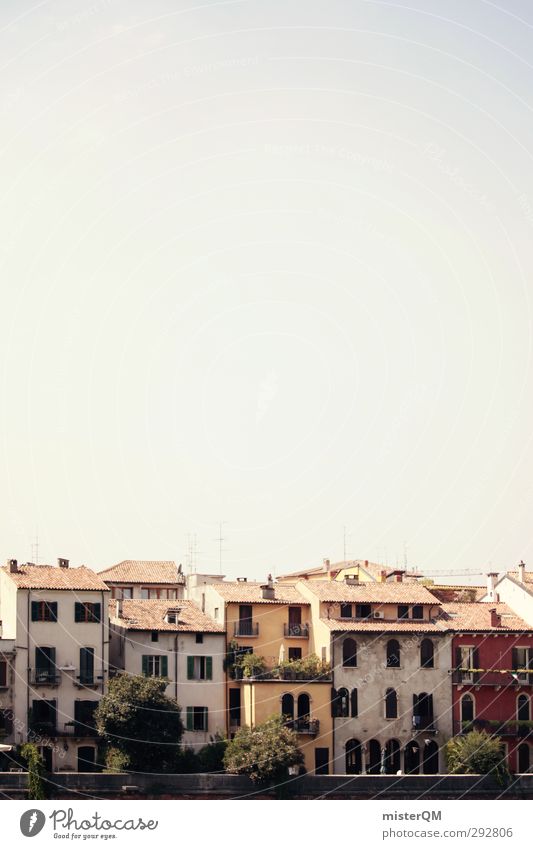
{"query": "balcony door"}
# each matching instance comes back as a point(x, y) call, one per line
point(295, 621)
point(45, 663)
point(245, 620)
point(86, 666)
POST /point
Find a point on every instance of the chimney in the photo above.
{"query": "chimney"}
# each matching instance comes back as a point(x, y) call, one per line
point(522, 572)
point(118, 608)
point(491, 585)
point(62, 562)
point(12, 566)
point(268, 588)
point(327, 566)
point(399, 577)
point(495, 618)
point(383, 576)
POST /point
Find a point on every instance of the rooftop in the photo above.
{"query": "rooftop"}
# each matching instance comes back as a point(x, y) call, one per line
point(383, 626)
point(374, 570)
point(149, 615)
point(143, 572)
point(371, 592)
point(247, 592)
point(459, 592)
point(476, 617)
point(30, 576)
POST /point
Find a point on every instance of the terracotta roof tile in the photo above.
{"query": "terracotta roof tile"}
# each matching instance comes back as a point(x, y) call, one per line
point(457, 593)
point(476, 617)
point(371, 592)
point(387, 626)
point(143, 572)
point(244, 592)
point(29, 576)
point(149, 615)
point(373, 569)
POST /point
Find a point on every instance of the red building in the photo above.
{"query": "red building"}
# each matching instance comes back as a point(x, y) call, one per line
point(492, 686)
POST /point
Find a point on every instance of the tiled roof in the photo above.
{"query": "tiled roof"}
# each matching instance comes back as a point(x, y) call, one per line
point(528, 577)
point(143, 572)
point(371, 592)
point(373, 569)
point(457, 593)
point(149, 615)
point(386, 626)
point(476, 617)
point(246, 592)
point(29, 576)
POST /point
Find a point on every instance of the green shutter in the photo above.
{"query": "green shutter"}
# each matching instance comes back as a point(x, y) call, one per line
point(189, 719)
point(205, 719)
point(209, 668)
point(35, 611)
point(145, 664)
point(190, 667)
point(164, 666)
point(53, 611)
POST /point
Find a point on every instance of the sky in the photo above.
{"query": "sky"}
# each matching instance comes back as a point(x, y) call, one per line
point(265, 274)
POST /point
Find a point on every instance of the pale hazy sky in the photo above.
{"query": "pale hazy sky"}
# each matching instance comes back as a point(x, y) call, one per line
point(268, 263)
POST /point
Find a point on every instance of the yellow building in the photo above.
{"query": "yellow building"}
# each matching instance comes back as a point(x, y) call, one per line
point(362, 571)
point(269, 670)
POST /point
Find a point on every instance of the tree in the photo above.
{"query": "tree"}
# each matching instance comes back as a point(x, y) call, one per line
point(477, 753)
point(265, 752)
point(36, 770)
point(139, 721)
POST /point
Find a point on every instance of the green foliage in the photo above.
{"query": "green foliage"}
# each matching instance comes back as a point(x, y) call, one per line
point(263, 753)
point(252, 664)
point(136, 718)
point(476, 753)
point(307, 668)
point(211, 757)
point(116, 761)
point(36, 771)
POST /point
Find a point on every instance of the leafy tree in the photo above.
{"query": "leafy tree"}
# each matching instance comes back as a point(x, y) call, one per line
point(265, 752)
point(36, 771)
point(477, 753)
point(138, 720)
point(211, 756)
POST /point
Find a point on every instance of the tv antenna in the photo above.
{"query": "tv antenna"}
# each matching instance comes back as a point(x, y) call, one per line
point(35, 550)
point(220, 539)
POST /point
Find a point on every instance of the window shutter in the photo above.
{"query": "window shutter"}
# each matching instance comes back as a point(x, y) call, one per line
point(209, 668)
point(430, 706)
point(458, 660)
point(53, 611)
point(97, 616)
point(78, 611)
point(515, 660)
point(475, 658)
point(77, 711)
point(35, 611)
point(145, 664)
point(189, 719)
point(530, 665)
point(333, 702)
point(190, 667)
point(164, 666)
point(52, 656)
point(354, 701)
point(205, 719)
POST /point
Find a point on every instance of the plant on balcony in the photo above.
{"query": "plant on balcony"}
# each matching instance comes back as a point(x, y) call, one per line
point(231, 661)
point(36, 771)
point(263, 753)
point(252, 664)
point(477, 753)
point(307, 668)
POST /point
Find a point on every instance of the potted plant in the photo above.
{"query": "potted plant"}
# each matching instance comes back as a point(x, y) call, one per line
point(252, 665)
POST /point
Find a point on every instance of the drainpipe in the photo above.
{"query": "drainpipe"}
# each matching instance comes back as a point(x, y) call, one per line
point(176, 667)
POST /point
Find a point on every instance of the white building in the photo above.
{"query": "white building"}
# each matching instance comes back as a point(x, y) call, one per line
point(179, 642)
point(515, 589)
point(147, 579)
point(57, 617)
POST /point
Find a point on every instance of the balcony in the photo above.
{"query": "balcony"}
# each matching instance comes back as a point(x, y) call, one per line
point(88, 680)
point(45, 677)
point(310, 727)
point(300, 631)
point(43, 729)
point(489, 678)
point(499, 728)
point(246, 628)
point(424, 723)
point(79, 729)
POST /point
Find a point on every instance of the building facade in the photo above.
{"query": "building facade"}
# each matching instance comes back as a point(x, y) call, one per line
point(145, 579)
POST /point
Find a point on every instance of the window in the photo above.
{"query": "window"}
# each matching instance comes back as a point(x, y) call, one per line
point(522, 661)
point(466, 660)
point(403, 611)
point(426, 654)
point(84, 717)
point(199, 638)
point(392, 757)
point(45, 665)
point(467, 708)
point(363, 611)
point(522, 708)
point(295, 654)
point(122, 592)
point(172, 616)
point(346, 611)
point(86, 666)
point(44, 611)
point(353, 702)
point(87, 611)
point(155, 665)
point(145, 592)
point(303, 712)
point(349, 652)
point(3, 673)
point(391, 704)
point(87, 759)
point(43, 717)
point(287, 706)
point(199, 668)
point(197, 719)
point(393, 654)
point(417, 611)
point(354, 757)
point(154, 636)
point(343, 702)
point(234, 706)
point(422, 710)
point(216, 613)
point(523, 757)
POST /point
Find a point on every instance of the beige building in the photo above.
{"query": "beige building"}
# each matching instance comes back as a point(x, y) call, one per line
point(145, 579)
point(57, 617)
point(7, 694)
point(174, 640)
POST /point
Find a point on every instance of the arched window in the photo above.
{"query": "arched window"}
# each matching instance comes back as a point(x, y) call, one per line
point(354, 757)
point(411, 758)
point(349, 652)
point(522, 708)
point(303, 707)
point(343, 698)
point(467, 708)
point(426, 654)
point(430, 765)
point(391, 704)
point(392, 757)
point(523, 758)
point(287, 706)
point(393, 654)
point(373, 766)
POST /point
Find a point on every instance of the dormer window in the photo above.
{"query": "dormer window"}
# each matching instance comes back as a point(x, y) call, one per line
point(172, 616)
